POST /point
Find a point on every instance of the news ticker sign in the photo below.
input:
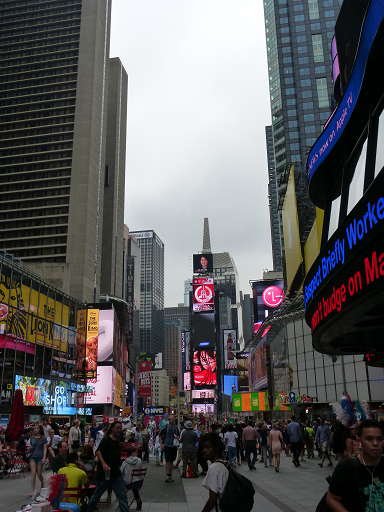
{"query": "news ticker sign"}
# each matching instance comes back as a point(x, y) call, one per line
point(351, 265)
point(203, 296)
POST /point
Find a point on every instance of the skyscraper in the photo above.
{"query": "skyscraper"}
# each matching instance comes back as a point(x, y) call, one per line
point(152, 291)
point(54, 93)
point(298, 36)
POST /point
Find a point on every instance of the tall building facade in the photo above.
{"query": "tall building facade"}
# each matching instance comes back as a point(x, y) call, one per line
point(53, 140)
point(179, 313)
point(172, 360)
point(298, 36)
point(151, 291)
point(274, 213)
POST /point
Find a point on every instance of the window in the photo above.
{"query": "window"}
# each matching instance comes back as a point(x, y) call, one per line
point(330, 24)
point(304, 71)
point(324, 116)
point(298, 7)
point(308, 105)
point(283, 20)
point(292, 124)
point(316, 26)
point(301, 39)
point(309, 117)
point(310, 129)
point(306, 94)
point(329, 14)
point(288, 80)
point(306, 83)
point(328, 3)
point(282, 2)
point(293, 135)
point(289, 91)
point(300, 28)
point(288, 70)
point(283, 10)
point(303, 60)
point(287, 60)
point(302, 49)
point(319, 70)
point(292, 112)
point(286, 49)
point(284, 30)
point(295, 146)
point(313, 8)
point(322, 92)
point(291, 102)
point(285, 40)
point(317, 46)
point(299, 17)
point(295, 158)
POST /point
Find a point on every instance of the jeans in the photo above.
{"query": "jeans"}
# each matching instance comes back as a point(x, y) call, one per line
point(266, 454)
point(193, 457)
point(250, 447)
point(232, 454)
point(146, 452)
point(296, 450)
point(118, 486)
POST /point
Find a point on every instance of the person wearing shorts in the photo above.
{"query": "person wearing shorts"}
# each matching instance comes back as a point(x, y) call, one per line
point(167, 436)
point(37, 455)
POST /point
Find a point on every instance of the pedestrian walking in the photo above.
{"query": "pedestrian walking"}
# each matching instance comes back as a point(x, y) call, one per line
point(169, 440)
point(189, 440)
point(295, 438)
point(264, 435)
point(250, 436)
point(230, 439)
point(108, 469)
point(74, 437)
point(323, 437)
point(310, 439)
point(37, 456)
point(275, 445)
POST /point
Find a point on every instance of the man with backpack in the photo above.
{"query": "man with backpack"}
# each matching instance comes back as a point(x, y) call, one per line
point(357, 482)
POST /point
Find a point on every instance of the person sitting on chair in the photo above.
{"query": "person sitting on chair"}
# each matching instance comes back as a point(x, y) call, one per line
point(133, 462)
point(75, 476)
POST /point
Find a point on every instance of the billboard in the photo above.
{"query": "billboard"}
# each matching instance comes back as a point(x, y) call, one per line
point(203, 409)
point(87, 343)
point(56, 397)
point(187, 351)
point(267, 295)
point(203, 393)
point(145, 368)
point(242, 374)
point(230, 385)
point(187, 381)
point(203, 263)
point(204, 330)
point(257, 368)
point(101, 390)
point(155, 359)
point(229, 346)
point(112, 350)
point(247, 402)
point(204, 368)
point(203, 296)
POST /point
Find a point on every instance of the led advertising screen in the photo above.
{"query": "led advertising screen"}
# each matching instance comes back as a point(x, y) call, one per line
point(203, 263)
point(242, 374)
point(187, 351)
point(204, 368)
point(199, 394)
point(156, 359)
point(229, 346)
point(204, 331)
point(203, 297)
point(187, 381)
point(101, 389)
point(145, 389)
point(267, 295)
point(203, 409)
point(257, 368)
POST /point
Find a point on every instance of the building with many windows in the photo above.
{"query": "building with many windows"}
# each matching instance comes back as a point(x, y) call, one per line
point(151, 291)
point(274, 213)
point(62, 143)
point(160, 388)
point(172, 361)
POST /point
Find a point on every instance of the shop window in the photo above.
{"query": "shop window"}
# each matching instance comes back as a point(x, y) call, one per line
point(356, 187)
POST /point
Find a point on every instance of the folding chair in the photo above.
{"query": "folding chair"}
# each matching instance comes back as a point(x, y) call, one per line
point(71, 492)
point(135, 472)
point(17, 465)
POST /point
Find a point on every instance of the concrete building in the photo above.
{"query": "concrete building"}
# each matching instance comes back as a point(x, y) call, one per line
point(179, 313)
point(152, 291)
point(248, 317)
point(54, 146)
point(160, 387)
point(274, 213)
point(172, 361)
point(188, 287)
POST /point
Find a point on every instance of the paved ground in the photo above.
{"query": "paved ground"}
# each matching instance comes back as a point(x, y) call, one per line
point(290, 490)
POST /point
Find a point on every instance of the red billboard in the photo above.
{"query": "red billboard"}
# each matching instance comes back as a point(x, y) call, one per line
point(145, 368)
point(204, 368)
point(203, 297)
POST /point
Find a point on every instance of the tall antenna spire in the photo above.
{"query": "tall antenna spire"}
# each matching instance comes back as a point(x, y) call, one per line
point(206, 237)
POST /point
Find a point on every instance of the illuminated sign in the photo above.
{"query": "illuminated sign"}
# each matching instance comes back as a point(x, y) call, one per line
point(202, 263)
point(204, 368)
point(203, 297)
point(229, 346)
point(272, 296)
point(203, 393)
point(145, 368)
point(267, 296)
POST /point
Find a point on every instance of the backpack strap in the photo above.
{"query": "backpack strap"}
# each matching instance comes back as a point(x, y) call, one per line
point(229, 469)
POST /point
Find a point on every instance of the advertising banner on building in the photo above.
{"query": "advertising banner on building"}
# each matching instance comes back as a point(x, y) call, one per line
point(199, 394)
point(92, 338)
point(202, 263)
point(119, 392)
point(187, 351)
point(267, 295)
point(187, 381)
point(155, 359)
point(203, 296)
point(257, 369)
point(204, 368)
point(81, 337)
point(229, 346)
point(242, 374)
point(247, 402)
point(145, 368)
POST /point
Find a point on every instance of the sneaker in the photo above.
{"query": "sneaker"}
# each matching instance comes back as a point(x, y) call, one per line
point(39, 499)
point(139, 505)
point(303, 460)
point(330, 464)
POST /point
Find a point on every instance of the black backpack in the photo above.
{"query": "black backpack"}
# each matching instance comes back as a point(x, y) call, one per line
point(237, 485)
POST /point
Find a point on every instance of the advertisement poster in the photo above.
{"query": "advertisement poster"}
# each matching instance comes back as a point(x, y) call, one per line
point(247, 402)
point(257, 369)
point(203, 296)
point(242, 374)
point(267, 296)
point(92, 343)
point(202, 263)
point(203, 409)
point(56, 397)
point(203, 393)
point(80, 344)
point(229, 346)
point(187, 381)
point(187, 351)
point(145, 368)
point(119, 392)
point(156, 359)
point(27, 315)
point(204, 368)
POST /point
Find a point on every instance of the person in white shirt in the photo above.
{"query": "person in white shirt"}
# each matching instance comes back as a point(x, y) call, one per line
point(230, 438)
point(217, 476)
point(46, 428)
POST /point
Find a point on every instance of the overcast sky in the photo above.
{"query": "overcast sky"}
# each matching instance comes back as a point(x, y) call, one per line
point(198, 105)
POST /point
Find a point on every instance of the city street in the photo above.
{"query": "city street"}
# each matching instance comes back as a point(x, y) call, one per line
point(290, 490)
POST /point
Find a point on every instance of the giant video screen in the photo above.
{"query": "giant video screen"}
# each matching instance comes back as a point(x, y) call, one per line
point(203, 297)
point(204, 368)
point(203, 263)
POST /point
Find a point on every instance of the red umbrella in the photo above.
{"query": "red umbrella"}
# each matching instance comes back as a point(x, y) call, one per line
point(16, 424)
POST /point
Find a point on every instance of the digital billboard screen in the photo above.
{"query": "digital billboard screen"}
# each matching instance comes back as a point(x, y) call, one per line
point(267, 295)
point(204, 330)
point(203, 408)
point(204, 368)
point(199, 394)
point(203, 263)
point(229, 346)
point(203, 296)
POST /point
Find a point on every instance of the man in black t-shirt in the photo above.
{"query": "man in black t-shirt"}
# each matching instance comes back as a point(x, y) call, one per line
point(108, 469)
point(357, 482)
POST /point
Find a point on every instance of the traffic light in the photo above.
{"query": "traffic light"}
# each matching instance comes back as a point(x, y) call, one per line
point(173, 391)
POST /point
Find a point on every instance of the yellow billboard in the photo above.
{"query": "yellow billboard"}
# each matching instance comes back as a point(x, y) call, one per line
point(28, 315)
point(119, 395)
point(292, 247)
point(313, 243)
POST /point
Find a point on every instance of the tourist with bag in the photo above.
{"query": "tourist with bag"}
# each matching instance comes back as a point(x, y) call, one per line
point(37, 456)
